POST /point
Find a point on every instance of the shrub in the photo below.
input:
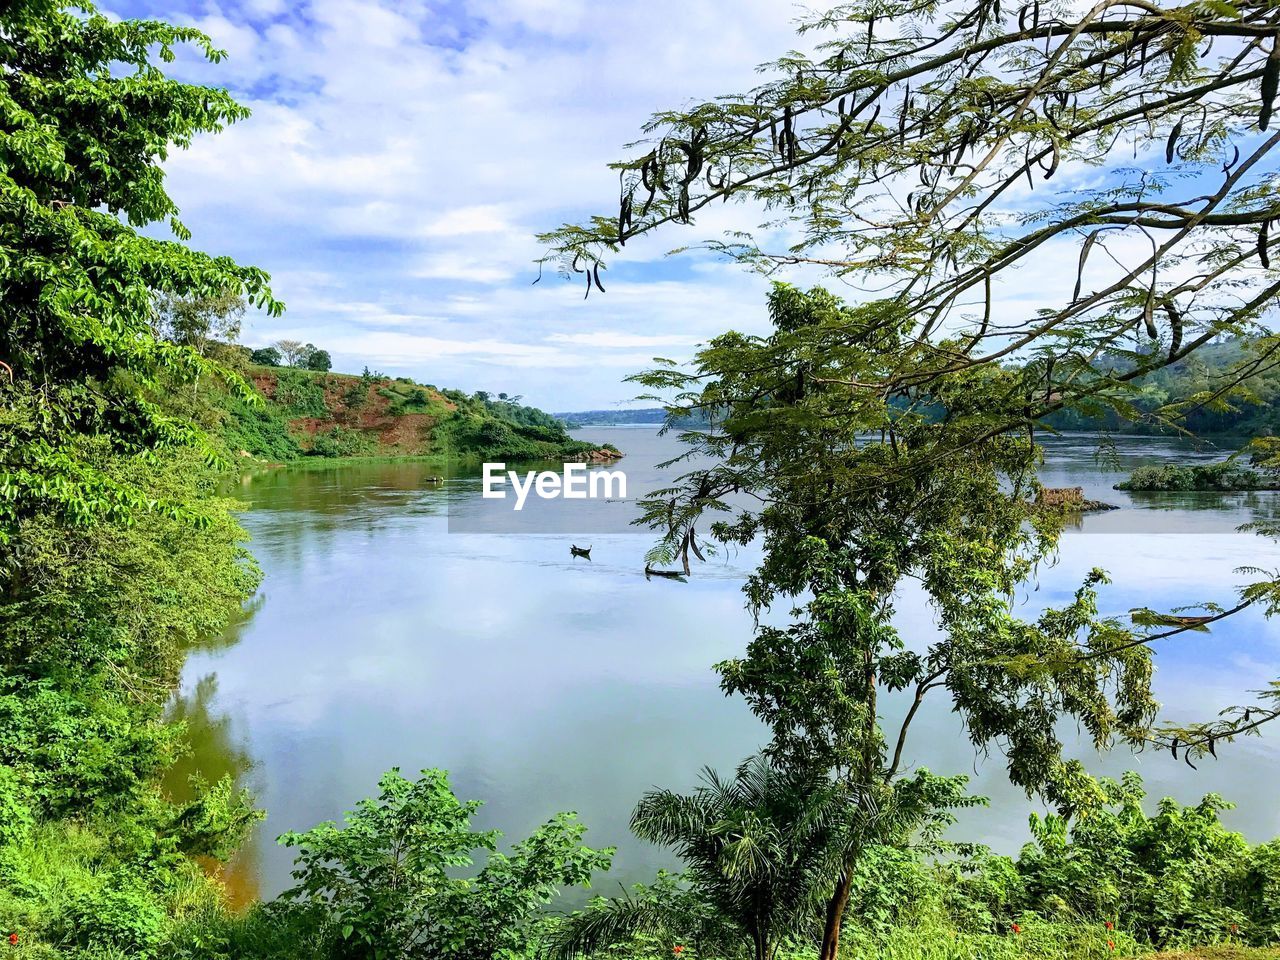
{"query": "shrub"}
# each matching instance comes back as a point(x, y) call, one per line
point(386, 883)
point(260, 431)
point(120, 914)
point(1225, 476)
point(300, 394)
point(341, 442)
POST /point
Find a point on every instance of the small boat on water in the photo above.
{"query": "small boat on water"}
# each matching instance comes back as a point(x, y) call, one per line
point(668, 574)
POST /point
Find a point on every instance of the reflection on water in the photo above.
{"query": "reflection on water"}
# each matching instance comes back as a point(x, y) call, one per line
point(545, 682)
point(215, 752)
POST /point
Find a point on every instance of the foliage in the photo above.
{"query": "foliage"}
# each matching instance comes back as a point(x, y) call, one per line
point(80, 281)
point(384, 886)
point(340, 441)
point(347, 420)
point(266, 356)
point(856, 494)
point(1227, 387)
point(300, 393)
point(95, 623)
point(894, 157)
point(1227, 475)
point(259, 429)
point(295, 353)
point(1176, 878)
point(964, 110)
point(200, 323)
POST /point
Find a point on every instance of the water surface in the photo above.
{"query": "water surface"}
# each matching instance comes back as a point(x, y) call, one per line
point(545, 683)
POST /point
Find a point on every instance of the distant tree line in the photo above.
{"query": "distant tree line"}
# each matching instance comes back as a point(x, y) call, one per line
point(293, 353)
point(1201, 391)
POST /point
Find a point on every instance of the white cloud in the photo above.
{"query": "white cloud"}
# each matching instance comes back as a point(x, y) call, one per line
point(466, 220)
point(606, 339)
point(408, 151)
point(398, 348)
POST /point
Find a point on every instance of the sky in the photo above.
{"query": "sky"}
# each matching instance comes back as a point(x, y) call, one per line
point(402, 156)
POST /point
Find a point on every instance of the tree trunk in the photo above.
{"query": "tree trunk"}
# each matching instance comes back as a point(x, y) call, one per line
point(761, 947)
point(835, 915)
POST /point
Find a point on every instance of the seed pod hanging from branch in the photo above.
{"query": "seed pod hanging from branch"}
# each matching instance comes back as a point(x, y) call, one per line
point(1270, 83)
point(1171, 146)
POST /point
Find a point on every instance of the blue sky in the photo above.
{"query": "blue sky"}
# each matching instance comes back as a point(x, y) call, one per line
point(402, 155)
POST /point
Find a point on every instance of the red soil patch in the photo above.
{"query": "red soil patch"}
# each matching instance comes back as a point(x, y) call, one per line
point(405, 434)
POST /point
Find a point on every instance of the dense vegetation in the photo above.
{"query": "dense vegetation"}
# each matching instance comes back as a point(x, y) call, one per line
point(125, 399)
point(1216, 390)
point(1117, 882)
point(1203, 390)
point(1225, 476)
point(307, 413)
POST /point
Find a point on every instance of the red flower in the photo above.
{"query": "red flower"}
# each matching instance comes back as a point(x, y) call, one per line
point(1111, 944)
point(1110, 925)
point(1015, 928)
point(1235, 928)
point(677, 949)
point(13, 939)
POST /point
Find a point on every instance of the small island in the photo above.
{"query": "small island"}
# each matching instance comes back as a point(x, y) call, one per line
point(1224, 477)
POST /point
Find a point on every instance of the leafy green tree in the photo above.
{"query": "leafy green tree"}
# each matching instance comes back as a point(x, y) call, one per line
point(1175, 877)
point(852, 494)
point(385, 884)
point(200, 323)
point(88, 118)
point(266, 356)
point(754, 850)
point(319, 360)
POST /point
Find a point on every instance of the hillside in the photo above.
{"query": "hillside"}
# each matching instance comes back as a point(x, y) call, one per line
point(1196, 384)
point(306, 413)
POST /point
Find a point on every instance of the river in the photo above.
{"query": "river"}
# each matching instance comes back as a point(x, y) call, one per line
point(381, 637)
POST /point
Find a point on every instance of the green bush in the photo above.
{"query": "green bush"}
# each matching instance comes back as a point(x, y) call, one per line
point(386, 884)
point(1176, 878)
point(260, 430)
point(300, 393)
point(16, 818)
point(119, 914)
point(340, 441)
point(1226, 476)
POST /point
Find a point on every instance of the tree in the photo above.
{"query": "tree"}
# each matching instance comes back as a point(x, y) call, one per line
point(80, 356)
point(852, 494)
point(199, 322)
point(386, 887)
point(319, 360)
point(951, 109)
point(294, 352)
point(266, 356)
point(754, 850)
point(894, 157)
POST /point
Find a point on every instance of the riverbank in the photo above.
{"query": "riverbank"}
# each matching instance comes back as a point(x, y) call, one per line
point(299, 415)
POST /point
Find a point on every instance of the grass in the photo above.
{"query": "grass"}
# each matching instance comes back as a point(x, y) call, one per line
point(1224, 951)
